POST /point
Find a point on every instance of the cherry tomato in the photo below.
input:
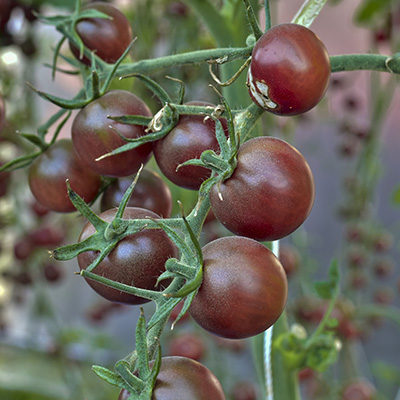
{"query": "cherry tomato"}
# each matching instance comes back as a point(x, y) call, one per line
point(187, 140)
point(183, 378)
point(150, 192)
point(244, 288)
point(108, 37)
point(48, 173)
point(93, 137)
point(270, 193)
point(137, 259)
point(187, 345)
point(289, 71)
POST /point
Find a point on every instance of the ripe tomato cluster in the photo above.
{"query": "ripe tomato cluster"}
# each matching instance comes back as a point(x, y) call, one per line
point(268, 195)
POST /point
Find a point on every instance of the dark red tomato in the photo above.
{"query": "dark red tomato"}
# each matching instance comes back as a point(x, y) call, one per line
point(108, 37)
point(48, 173)
point(47, 236)
point(93, 137)
point(187, 345)
point(150, 192)
point(187, 140)
point(270, 193)
point(183, 378)
point(244, 288)
point(359, 390)
point(136, 260)
point(289, 71)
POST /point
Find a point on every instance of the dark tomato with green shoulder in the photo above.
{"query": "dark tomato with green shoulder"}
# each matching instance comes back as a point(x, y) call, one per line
point(192, 135)
point(49, 171)
point(150, 192)
point(183, 378)
point(137, 260)
point(93, 134)
point(108, 37)
point(290, 70)
point(270, 193)
point(244, 288)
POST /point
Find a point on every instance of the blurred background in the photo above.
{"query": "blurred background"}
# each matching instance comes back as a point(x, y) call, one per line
point(53, 327)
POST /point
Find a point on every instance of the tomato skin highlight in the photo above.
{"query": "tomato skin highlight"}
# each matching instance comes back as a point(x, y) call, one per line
point(108, 37)
point(183, 378)
point(48, 173)
point(187, 140)
point(137, 259)
point(290, 70)
point(93, 137)
point(270, 193)
point(244, 288)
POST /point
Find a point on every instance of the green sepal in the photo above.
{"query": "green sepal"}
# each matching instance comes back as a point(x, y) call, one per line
point(132, 381)
point(131, 120)
point(43, 129)
point(55, 56)
point(189, 287)
point(72, 104)
point(110, 377)
point(185, 308)
point(20, 162)
point(153, 86)
point(179, 268)
point(147, 294)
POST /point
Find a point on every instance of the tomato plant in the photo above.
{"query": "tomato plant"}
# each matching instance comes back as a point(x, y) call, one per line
point(150, 192)
point(270, 193)
point(244, 288)
point(290, 70)
point(93, 135)
point(192, 135)
point(180, 376)
point(107, 37)
point(48, 173)
point(138, 258)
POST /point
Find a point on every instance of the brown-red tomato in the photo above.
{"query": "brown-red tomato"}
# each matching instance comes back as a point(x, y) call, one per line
point(192, 135)
point(150, 192)
point(108, 37)
point(290, 70)
point(93, 137)
point(48, 173)
point(244, 288)
point(136, 260)
point(183, 378)
point(270, 193)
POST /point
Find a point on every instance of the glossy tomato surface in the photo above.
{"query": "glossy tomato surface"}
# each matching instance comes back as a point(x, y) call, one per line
point(150, 192)
point(183, 378)
point(270, 193)
point(244, 288)
point(48, 173)
point(93, 137)
point(137, 260)
point(289, 71)
point(187, 140)
point(108, 37)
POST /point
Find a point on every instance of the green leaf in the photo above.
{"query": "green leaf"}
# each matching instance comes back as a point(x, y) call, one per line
point(369, 10)
point(328, 289)
point(109, 376)
point(141, 348)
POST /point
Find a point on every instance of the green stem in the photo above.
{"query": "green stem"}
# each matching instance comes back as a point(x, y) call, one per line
point(357, 62)
point(308, 12)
